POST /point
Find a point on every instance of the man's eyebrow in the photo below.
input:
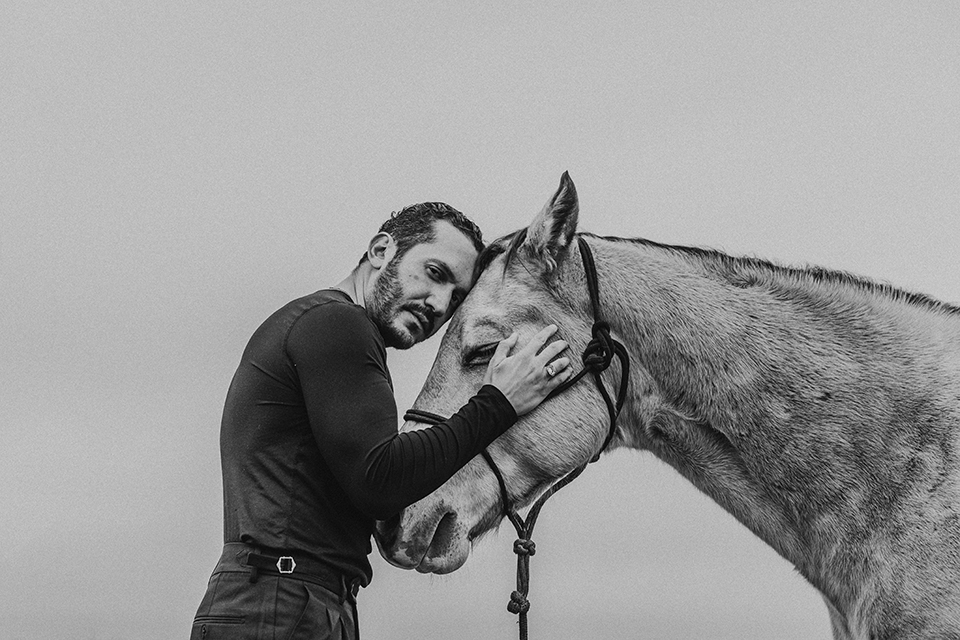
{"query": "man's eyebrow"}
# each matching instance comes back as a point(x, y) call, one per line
point(447, 271)
point(451, 277)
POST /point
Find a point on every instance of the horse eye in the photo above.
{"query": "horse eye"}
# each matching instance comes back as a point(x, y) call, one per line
point(480, 355)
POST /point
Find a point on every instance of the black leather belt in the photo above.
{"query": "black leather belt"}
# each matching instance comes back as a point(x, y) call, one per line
point(289, 566)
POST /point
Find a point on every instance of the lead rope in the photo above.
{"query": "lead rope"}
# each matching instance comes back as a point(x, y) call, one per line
point(596, 358)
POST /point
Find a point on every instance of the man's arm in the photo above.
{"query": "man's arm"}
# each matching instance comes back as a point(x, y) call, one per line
point(341, 365)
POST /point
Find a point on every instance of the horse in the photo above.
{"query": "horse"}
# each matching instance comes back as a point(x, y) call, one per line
point(819, 408)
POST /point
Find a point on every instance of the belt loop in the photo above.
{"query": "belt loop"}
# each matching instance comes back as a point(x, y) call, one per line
point(254, 571)
point(348, 590)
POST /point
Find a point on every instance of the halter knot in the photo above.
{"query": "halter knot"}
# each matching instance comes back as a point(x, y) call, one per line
point(518, 603)
point(524, 547)
point(599, 352)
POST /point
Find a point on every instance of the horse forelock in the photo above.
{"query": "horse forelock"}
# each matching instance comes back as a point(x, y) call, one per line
point(508, 244)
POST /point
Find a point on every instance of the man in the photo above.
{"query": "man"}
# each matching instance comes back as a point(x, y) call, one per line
point(310, 451)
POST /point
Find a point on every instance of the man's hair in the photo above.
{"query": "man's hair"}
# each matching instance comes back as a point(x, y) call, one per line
point(415, 225)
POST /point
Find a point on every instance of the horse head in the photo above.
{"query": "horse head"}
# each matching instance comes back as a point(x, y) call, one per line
point(526, 280)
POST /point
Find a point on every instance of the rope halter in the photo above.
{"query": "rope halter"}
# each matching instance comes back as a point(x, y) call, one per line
point(597, 357)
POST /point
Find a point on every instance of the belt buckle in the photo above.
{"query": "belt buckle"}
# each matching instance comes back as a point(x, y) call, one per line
point(286, 564)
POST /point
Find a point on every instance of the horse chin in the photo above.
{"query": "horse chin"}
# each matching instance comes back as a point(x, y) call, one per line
point(445, 563)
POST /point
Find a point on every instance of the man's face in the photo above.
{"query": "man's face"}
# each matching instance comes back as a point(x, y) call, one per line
point(414, 295)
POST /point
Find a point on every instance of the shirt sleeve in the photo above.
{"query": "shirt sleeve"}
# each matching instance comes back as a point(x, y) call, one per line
point(340, 361)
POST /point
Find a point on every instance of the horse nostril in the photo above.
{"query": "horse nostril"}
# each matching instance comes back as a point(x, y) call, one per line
point(443, 536)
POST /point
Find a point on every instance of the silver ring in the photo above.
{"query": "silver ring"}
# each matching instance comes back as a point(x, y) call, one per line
point(550, 370)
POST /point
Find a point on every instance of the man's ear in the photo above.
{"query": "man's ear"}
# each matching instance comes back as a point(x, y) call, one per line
point(552, 230)
point(381, 249)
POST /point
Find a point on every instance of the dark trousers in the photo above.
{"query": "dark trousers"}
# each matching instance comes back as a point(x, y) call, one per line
point(273, 607)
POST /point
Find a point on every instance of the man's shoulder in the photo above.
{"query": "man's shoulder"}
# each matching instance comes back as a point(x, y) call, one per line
point(324, 306)
point(332, 312)
point(330, 300)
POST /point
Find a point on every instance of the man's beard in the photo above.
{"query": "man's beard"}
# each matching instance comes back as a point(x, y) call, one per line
point(385, 307)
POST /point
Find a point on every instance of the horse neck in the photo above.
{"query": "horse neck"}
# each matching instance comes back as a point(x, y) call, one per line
point(797, 405)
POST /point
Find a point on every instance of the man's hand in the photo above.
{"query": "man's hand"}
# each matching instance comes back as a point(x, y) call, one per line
point(524, 377)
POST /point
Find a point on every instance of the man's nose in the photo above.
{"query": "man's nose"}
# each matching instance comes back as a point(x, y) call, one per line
point(439, 300)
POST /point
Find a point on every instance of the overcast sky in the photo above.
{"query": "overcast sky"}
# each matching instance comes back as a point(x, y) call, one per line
point(173, 172)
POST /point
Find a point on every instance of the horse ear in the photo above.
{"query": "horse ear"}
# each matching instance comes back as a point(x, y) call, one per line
point(552, 230)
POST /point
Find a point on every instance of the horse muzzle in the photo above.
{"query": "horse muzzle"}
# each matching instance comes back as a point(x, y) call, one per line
point(434, 542)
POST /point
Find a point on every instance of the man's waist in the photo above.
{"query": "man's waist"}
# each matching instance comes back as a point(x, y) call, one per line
point(259, 561)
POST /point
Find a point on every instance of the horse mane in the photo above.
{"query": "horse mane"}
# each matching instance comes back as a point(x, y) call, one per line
point(733, 268)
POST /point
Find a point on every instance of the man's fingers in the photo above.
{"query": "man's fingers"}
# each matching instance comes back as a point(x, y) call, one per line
point(557, 371)
point(559, 365)
point(504, 347)
point(540, 339)
point(552, 350)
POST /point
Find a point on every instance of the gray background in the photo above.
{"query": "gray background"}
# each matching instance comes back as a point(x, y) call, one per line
point(170, 173)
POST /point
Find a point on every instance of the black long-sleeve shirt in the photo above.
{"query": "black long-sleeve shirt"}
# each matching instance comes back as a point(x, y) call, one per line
point(309, 447)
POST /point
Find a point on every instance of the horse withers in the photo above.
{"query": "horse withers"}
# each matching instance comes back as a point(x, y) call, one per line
point(820, 409)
